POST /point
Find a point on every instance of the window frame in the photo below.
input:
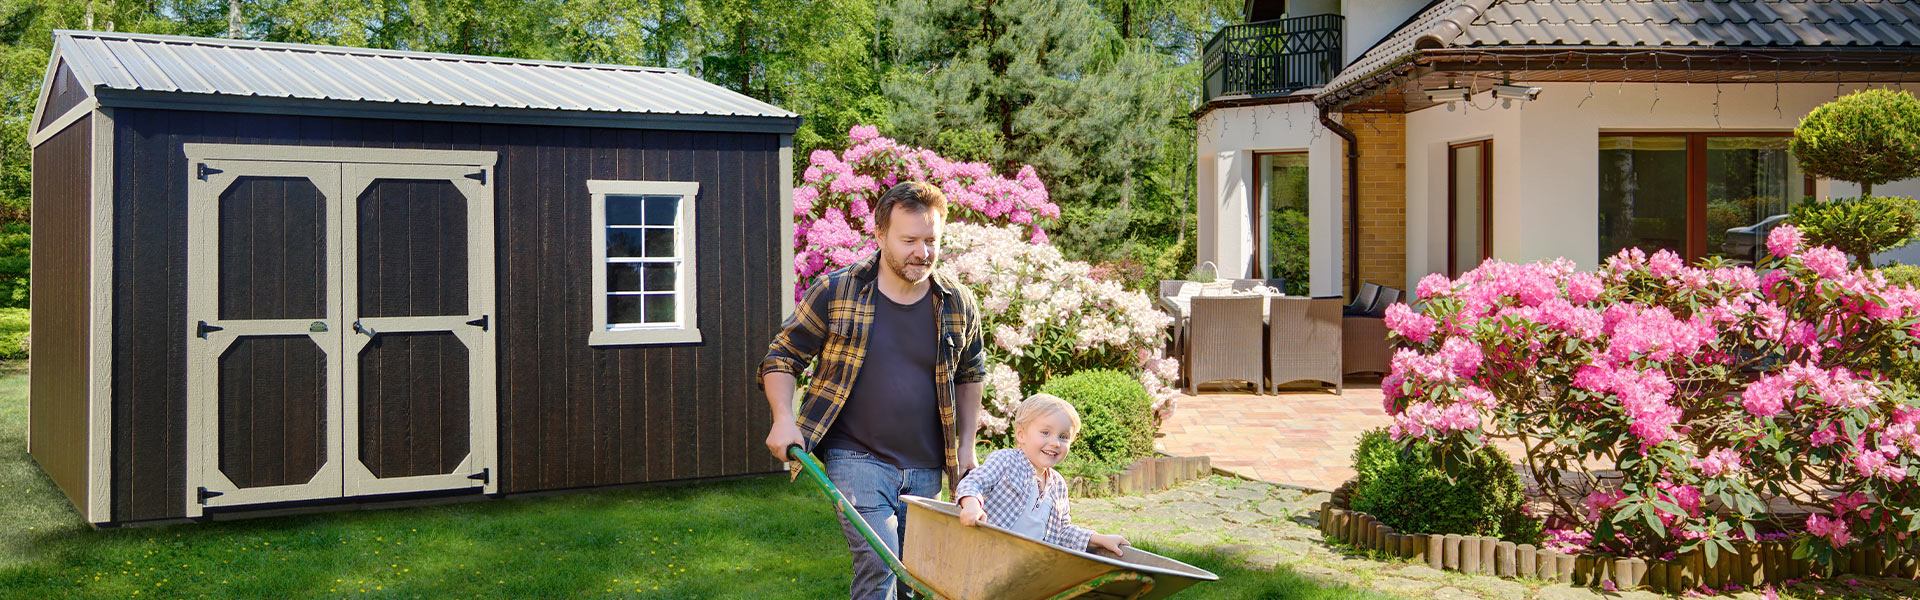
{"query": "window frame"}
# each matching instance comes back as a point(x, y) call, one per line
point(684, 329)
point(1697, 178)
point(1262, 212)
point(1453, 204)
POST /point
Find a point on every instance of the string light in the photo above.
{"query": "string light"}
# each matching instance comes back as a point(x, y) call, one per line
point(1656, 83)
point(1589, 71)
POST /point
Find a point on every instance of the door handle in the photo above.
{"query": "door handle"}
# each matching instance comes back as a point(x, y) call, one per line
point(363, 330)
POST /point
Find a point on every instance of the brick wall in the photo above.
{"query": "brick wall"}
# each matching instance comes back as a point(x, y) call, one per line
point(1383, 198)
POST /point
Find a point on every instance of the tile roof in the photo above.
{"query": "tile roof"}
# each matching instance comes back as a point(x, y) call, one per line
point(1620, 24)
point(249, 69)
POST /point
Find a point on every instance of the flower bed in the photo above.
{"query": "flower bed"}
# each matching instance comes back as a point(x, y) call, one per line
point(1714, 391)
point(1747, 565)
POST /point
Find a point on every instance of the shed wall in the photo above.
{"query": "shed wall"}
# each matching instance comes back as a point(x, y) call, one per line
point(62, 213)
point(570, 415)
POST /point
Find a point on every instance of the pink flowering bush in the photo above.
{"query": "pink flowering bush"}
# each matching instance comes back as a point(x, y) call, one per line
point(1712, 390)
point(833, 205)
point(1044, 317)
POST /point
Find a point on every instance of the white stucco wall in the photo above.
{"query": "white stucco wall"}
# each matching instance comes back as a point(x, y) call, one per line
point(1370, 20)
point(1229, 137)
point(1546, 168)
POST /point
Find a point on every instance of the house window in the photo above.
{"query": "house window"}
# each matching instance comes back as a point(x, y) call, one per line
point(1469, 205)
point(1281, 214)
point(643, 263)
point(1697, 194)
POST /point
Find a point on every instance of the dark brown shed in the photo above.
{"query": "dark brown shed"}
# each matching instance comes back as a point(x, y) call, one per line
point(278, 274)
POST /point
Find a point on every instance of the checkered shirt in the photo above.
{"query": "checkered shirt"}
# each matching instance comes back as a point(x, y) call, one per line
point(1004, 484)
point(832, 323)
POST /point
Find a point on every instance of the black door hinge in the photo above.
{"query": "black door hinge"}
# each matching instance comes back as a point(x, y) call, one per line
point(206, 493)
point(480, 322)
point(483, 476)
point(205, 170)
point(480, 176)
point(206, 329)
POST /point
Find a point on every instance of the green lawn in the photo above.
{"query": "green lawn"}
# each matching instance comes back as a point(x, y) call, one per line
point(756, 538)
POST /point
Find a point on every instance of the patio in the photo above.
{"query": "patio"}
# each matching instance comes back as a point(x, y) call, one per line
point(1299, 438)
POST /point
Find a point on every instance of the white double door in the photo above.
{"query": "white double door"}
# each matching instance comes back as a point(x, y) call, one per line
point(339, 323)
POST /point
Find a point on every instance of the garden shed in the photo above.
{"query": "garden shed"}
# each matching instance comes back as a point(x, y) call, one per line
point(279, 275)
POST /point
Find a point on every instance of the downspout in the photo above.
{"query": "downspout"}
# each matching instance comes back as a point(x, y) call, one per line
point(1353, 194)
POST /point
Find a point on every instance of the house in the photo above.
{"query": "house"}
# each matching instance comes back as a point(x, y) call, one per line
point(280, 275)
point(1414, 137)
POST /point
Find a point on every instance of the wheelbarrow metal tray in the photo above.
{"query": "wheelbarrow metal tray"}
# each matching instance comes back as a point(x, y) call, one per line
point(987, 562)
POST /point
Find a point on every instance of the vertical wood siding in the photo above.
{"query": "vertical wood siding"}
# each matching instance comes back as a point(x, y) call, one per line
point(62, 216)
point(570, 415)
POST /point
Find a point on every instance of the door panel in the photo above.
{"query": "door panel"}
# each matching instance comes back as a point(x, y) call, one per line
point(262, 333)
point(414, 404)
point(273, 404)
point(418, 238)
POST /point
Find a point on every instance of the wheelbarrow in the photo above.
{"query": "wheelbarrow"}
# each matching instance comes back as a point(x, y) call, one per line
point(949, 561)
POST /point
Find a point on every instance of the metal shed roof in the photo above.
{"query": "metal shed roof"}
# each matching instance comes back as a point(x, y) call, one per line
point(158, 71)
point(1618, 24)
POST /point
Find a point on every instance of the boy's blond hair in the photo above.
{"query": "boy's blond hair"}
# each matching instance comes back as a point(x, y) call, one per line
point(1045, 404)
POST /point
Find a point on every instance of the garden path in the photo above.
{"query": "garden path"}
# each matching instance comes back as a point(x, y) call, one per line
point(1267, 525)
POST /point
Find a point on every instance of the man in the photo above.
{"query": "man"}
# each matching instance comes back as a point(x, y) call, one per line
point(896, 395)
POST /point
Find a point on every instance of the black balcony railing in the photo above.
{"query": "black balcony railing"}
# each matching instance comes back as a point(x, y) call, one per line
point(1272, 57)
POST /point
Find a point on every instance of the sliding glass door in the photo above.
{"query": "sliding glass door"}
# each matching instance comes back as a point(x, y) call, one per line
point(1281, 218)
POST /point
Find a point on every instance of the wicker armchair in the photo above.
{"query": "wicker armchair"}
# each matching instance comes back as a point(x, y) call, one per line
point(1303, 341)
point(1363, 338)
point(1223, 341)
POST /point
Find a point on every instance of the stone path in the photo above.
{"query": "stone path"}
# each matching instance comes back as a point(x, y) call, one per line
point(1269, 525)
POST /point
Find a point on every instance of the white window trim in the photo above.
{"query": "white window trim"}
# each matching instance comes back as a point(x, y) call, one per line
point(684, 329)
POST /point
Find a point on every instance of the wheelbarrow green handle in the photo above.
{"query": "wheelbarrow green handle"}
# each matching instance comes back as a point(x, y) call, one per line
point(818, 473)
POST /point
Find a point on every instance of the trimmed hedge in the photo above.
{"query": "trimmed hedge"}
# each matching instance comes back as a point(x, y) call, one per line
point(1404, 488)
point(1116, 419)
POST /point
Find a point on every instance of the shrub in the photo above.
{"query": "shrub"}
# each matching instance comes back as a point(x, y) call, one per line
point(1713, 390)
point(13, 333)
point(1044, 317)
point(833, 204)
point(1859, 227)
point(1116, 415)
point(1907, 275)
point(1405, 488)
point(16, 261)
point(1868, 137)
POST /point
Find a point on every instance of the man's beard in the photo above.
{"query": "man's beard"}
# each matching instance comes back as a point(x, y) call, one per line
point(900, 266)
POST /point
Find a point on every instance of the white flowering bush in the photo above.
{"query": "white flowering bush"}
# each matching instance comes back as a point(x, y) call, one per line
point(1045, 317)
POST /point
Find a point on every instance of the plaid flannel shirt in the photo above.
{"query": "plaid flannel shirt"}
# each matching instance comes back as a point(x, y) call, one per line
point(833, 321)
point(1005, 485)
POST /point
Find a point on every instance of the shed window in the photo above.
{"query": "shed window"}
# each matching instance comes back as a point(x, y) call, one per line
point(643, 263)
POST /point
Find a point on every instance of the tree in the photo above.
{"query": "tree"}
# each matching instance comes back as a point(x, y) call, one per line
point(1869, 137)
point(1040, 82)
point(1860, 226)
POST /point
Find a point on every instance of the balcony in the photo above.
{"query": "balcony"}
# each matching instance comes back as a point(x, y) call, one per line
point(1274, 57)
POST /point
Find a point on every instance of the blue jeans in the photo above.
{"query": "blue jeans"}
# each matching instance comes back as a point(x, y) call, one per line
point(874, 487)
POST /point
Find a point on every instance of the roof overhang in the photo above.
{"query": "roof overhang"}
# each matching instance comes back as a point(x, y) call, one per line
point(1399, 86)
point(174, 100)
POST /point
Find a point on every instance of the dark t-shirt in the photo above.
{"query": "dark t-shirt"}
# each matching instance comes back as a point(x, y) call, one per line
point(892, 412)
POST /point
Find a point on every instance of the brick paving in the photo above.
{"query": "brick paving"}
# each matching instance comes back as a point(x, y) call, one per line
point(1303, 438)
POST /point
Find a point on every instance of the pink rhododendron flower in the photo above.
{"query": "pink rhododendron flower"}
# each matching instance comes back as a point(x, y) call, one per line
point(1411, 325)
point(1833, 529)
point(863, 133)
point(1434, 285)
point(1719, 462)
point(1784, 240)
point(1825, 261)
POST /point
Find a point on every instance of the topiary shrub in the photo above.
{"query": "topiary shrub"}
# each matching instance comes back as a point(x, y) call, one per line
point(1116, 418)
point(1859, 227)
point(1406, 489)
point(1868, 137)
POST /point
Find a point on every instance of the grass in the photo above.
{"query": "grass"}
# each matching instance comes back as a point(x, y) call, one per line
point(755, 538)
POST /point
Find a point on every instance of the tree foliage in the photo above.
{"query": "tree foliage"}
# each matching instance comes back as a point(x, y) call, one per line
point(1861, 226)
point(1869, 137)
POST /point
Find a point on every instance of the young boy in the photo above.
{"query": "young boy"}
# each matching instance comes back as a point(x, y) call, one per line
point(1020, 486)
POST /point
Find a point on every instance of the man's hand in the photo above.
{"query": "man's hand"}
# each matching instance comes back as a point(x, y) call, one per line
point(970, 511)
point(1110, 543)
point(783, 435)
